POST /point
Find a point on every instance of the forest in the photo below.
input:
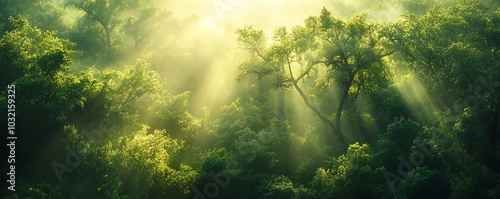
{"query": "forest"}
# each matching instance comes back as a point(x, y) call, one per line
point(240, 99)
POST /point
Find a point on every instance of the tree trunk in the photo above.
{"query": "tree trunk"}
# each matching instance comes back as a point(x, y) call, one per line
point(108, 37)
point(337, 134)
point(343, 98)
point(338, 115)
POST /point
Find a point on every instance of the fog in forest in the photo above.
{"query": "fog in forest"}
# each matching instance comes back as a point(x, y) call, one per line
point(275, 99)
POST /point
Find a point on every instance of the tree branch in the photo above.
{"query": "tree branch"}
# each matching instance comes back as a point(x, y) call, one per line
point(309, 105)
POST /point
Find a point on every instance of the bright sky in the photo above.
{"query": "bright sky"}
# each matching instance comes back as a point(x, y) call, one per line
point(270, 14)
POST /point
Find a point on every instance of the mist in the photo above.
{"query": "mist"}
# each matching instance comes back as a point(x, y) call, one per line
point(208, 52)
point(279, 99)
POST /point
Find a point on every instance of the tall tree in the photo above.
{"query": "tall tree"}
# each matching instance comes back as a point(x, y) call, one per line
point(105, 12)
point(350, 51)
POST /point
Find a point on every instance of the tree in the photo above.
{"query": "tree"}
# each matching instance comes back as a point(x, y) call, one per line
point(279, 187)
point(105, 12)
point(172, 111)
point(417, 6)
point(149, 156)
point(424, 183)
point(396, 142)
point(354, 53)
point(29, 50)
point(351, 52)
point(352, 175)
point(455, 52)
point(9, 9)
point(447, 49)
point(37, 63)
point(143, 26)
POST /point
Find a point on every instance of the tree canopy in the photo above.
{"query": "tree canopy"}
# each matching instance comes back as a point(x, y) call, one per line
point(128, 99)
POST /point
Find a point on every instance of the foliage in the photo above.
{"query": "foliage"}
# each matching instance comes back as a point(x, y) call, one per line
point(352, 175)
point(422, 183)
point(30, 50)
point(331, 108)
